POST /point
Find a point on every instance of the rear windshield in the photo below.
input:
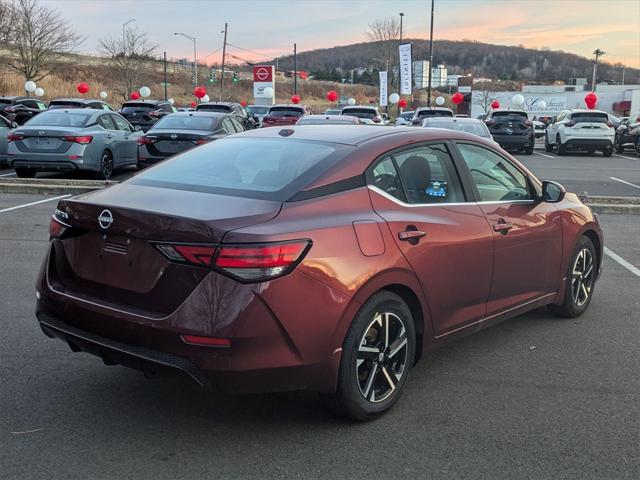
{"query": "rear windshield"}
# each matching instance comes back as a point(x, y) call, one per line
point(59, 119)
point(326, 121)
point(333, 112)
point(590, 117)
point(263, 168)
point(514, 115)
point(360, 112)
point(285, 112)
point(253, 110)
point(56, 105)
point(214, 108)
point(469, 127)
point(136, 107)
point(5, 101)
point(186, 122)
point(406, 115)
point(435, 113)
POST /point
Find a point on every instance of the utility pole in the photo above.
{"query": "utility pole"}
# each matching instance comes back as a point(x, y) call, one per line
point(295, 69)
point(430, 56)
point(124, 40)
point(164, 65)
point(195, 58)
point(224, 53)
point(598, 53)
point(399, 61)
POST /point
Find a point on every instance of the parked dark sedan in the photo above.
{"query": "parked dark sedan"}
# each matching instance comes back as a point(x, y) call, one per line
point(181, 131)
point(234, 108)
point(21, 109)
point(67, 103)
point(145, 113)
point(324, 258)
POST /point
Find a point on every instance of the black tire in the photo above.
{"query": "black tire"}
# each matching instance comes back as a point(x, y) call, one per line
point(106, 166)
point(547, 146)
point(25, 173)
point(607, 152)
point(363, 374)
point(528, 150)
point(562, 150)
point(577, 299)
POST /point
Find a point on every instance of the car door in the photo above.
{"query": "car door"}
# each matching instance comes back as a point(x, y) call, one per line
point(5, 126)
point(112, 139)
point(526, 231)
point(445, 238)
point(129, 147)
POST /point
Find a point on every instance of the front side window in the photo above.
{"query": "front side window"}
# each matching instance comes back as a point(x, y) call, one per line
point(495, 177)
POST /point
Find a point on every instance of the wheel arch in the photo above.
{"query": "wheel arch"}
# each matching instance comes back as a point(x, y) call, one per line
point(412, 301)
point(597, 243)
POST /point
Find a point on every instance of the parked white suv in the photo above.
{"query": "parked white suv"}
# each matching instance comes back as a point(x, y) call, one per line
point(584, 130)
point(366, 113)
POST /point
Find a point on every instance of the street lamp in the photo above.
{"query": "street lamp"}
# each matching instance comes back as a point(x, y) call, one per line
point(124, 41)
point(598, 53)
point(195, 58)
point(399, 61)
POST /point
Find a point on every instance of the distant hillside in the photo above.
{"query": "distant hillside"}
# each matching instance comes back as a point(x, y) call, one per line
point(462, 57)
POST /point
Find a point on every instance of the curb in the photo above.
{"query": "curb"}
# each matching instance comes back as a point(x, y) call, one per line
point(629, 209)
point(50, 186)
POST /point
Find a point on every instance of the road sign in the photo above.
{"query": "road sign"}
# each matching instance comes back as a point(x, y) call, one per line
point(263, 73)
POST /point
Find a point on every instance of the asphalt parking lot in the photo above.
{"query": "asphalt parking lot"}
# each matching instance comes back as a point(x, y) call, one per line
point(536, 397)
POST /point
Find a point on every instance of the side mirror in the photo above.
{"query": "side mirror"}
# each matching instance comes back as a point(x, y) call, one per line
point(137, 128)
point(14, 125)
point(552, 192)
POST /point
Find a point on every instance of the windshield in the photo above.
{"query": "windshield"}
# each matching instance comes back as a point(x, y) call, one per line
point(59, 119)
point(265, 168)
point(57, 105)
point(285, 112)
point(470, 127)
point(255, 110)
point(592, 117)
point(214, 108)
point(360, 112)
point(186, 122)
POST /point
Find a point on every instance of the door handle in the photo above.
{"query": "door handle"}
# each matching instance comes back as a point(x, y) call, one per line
point(409, 235)
point(502, 227)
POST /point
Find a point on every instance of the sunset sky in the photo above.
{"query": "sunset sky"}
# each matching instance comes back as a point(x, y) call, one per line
point(269, 27)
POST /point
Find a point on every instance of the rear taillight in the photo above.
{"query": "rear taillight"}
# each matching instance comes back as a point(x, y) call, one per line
point(13, 137)
point(10, 110)
point(199, 255)
point(490, 123)
point(377, 119)
point(202, 141)
point(528, 123)
point(609, 124)
point(251, 262)
point(58, 224)
point(82, 140)
point(570, 123)
point(206, 341)
point(145, 140)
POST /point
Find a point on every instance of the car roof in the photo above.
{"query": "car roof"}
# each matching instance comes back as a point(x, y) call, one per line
point(12, 97)
point(328, 117)
point(516, 110)
point(203, 113)
point(79, 100)
point(150, 102)
point(584, 110)
point(77, 111)
point(296, 105)
point(442, 109)
point(360, 106)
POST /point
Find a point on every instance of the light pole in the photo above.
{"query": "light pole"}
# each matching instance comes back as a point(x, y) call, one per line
point(224, 54)
point(430, 56)
point(598, 53)
point(124, 41)
point(195, 58)
point(399, 62)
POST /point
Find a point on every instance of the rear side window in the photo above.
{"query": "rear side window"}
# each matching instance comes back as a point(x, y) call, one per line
point(591, 117)
point(264, 168)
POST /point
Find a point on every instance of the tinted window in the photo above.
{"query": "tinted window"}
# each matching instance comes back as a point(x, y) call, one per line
point(428, 175)
point(256, 110)
point(186, 122)
point(360, 112)
point(385, 177)
point(61, 104)
point(137, 107)
point(435, 113)
point(325, 121)
point(121, 123)
point(4, 101)
point(590, 117)
point(494, 176)
point(59, 119)
point(477, 128)
point(285, 112)
point(509, 115)
point(264, 168)
point(214, 108)
point(105, 122)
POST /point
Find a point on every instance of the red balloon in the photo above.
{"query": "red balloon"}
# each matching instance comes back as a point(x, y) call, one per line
point(332, 95)
point(199, 92)
point(402, 103)
point(244, 103)
point(457, 98)
point(135, 95)
point(295, 99)
point(193, 104)
point(82, 87)
point(591, 99)
point(372, 101)
point(495, 104)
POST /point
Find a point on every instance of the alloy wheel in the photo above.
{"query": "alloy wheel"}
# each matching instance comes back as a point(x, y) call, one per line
point(582, 277)
point(106, 166)
point(382, 357)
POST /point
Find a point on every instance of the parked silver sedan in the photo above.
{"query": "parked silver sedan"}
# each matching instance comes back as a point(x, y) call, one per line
point(5, 128)
point(71, 140)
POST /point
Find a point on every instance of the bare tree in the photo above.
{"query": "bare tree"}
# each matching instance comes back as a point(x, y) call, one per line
point(127, 55)
point(7, 13)
point(39, 39)
point(483, 98)
point(387, 32)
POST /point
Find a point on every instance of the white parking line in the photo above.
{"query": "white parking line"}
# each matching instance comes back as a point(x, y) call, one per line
point(628, 158)
point(7, 174)
point(545, 155)
point(625, 182)
point(34, 203)
point(632, 268)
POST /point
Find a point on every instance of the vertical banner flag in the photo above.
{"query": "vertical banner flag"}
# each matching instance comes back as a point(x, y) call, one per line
point(405, 69)
point(383, 89)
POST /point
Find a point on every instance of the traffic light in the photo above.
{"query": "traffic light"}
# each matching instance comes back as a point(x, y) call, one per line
point(235, 78)
point(212, 76)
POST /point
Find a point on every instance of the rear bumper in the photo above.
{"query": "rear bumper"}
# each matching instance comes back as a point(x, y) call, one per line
point(588, 143)
point(514, 140)
point(40, 166)
point(149, 161)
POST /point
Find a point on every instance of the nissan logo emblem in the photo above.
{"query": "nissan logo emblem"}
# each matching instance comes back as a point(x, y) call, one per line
point(105, 219)
point(173, 136)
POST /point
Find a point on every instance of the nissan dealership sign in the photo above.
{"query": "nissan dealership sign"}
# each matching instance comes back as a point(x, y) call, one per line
point(263, 78)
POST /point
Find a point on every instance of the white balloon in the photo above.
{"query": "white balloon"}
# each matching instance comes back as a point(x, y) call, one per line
point(171, 101)
point(39, 92)
point(541, 105)
point(30, 86)
point(394, 98)
point(440, 101)
point(205, 98)
point(351, 101)
point(517, 100)
point(104, 94)
point(144, 92)
point(268, 92)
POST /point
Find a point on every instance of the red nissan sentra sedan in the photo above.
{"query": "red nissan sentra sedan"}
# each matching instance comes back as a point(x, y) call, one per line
point(327, 258)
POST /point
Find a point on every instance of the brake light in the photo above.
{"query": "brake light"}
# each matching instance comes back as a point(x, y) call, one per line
point(251, 262)
point(13, 137)
point(144, 140)
point(10, 109)
point(570, 123)
point(202, 140)
point(206, 341)
point(57, 226)
point(199, 255)
point(528, 123)
point(82, 140)
point(609, 124)
point(377, 119)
